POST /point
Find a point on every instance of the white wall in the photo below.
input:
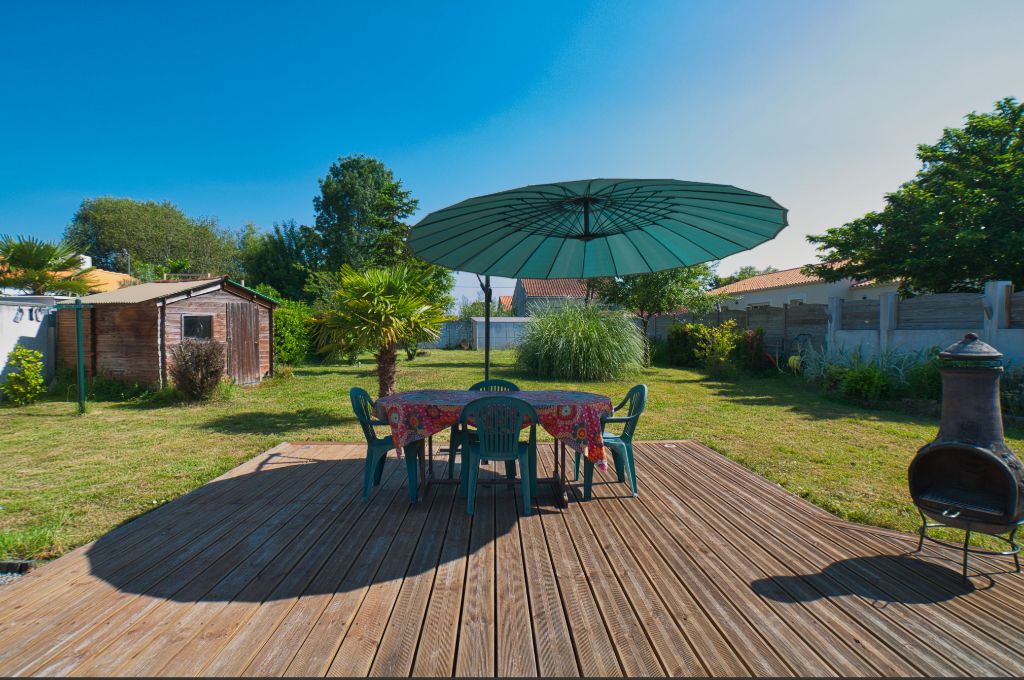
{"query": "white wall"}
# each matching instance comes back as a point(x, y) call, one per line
point(34, 330)
point(809, 294)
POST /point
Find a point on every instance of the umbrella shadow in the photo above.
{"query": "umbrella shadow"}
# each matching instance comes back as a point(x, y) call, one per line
point(881, 578)
point(295, 527)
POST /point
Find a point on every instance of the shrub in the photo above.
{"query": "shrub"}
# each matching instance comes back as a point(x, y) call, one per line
point(750, 354)
point(24, 382)
point(866, 381)
point(580, 342)
point(715, 347)
point(1012, 391)
point(197, 367)
point(681, 344)
point(923, 380)
point(293, 337)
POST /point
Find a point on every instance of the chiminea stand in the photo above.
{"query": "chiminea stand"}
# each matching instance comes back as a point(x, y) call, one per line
point(966, 548)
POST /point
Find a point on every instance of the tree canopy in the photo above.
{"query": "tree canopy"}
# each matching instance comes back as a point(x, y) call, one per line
point(745, 272)
point(114, 230)
point(41, 268)
point(282, 258)
point(360, 213)
point(957, 224)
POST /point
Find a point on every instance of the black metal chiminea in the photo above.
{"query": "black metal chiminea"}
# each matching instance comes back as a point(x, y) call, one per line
point(968, 478)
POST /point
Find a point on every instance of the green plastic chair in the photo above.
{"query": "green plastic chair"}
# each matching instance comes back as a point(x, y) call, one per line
point(377, 447)
point(498, 422)
point(621, 445)
point(494, 385)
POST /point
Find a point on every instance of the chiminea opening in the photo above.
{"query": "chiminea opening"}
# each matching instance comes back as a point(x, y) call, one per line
point(968, 478)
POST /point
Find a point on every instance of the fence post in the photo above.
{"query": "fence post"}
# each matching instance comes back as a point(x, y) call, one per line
point(996, 304)
point(886, 319)
point(835, 320)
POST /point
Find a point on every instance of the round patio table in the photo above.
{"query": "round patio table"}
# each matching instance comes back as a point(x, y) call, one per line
point(572, 418)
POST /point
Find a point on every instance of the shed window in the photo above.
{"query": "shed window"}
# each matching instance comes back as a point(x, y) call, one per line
point(199, 327)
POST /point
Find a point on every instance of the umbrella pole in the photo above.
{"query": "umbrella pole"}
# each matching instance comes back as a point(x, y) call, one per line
point(487, 328)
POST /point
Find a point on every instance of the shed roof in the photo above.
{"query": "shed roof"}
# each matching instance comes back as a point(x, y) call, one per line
point(567, 288)
point(779, 279)
point(145, 292)
point(505, 302)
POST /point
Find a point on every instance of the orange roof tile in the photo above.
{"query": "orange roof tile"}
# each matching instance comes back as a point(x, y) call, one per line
point(102, 280)
point(779, 279)
point(505, 303)
point(567, 288)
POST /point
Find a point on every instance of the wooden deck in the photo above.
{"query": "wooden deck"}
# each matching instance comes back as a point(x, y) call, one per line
point(279, 567)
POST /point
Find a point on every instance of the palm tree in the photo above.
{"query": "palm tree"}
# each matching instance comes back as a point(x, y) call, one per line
point(42, 267)
point(380, 308)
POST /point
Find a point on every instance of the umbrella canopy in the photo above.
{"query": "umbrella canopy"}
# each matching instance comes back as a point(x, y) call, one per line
point(597, 227)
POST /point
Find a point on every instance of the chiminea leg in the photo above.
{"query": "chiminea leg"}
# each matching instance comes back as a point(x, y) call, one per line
point(1015, 548)
point(921, 532)
point(967, 543)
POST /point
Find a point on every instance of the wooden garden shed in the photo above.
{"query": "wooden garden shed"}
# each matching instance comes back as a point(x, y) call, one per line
point(128, 333)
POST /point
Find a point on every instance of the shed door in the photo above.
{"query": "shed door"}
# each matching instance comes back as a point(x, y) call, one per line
point(243, 342)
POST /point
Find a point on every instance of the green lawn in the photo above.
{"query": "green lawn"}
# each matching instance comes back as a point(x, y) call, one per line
point(66, 479)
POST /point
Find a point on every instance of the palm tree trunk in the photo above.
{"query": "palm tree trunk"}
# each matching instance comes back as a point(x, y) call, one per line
point(387, 360)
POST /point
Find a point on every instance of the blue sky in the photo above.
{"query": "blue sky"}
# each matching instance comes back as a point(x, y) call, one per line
point(235, 110)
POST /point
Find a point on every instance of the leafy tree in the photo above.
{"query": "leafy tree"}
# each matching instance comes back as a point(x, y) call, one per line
point(379, 308)
point(648, 295)
point(120, 233)
point(41, 267)
point(282, 258)
point(293, 327)
point(746, 272)
point(958, 223)
point(360, 213)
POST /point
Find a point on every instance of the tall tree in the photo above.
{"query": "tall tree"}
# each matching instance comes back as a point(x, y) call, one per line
point(957, 224)
point(121, 232)
point(41, 267)
point(648, 295)
point(360, 213)
point(379, 308)
point(282, 258)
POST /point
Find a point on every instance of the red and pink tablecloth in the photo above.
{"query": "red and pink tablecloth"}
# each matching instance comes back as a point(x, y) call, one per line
point(571, 417)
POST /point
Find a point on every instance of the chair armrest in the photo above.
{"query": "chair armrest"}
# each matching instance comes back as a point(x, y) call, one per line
point(619, 419)
point(382, 423)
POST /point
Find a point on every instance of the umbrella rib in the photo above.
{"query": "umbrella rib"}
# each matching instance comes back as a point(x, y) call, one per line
point(483, 244)
point(507, 250)
point(555, 258)
point(639, 252)
point(467, 227)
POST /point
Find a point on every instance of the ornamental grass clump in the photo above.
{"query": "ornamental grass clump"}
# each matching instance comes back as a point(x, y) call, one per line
point(580, 342)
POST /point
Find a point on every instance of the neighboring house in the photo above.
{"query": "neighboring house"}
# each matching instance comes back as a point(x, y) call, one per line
point(792, 287)
point(505, 303)
point(128, 333)
point(532, 294)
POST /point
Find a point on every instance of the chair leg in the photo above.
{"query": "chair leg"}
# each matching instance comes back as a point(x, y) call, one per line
point(412, 475)
point(576, 467)
point(367, 476)
point(378, 468)
point(631, 464)
point(453, 448)
point(474, 476)
point(510, 469)
point(533, 472)
point(620, 465)
point(527, 482)
point(588, 479)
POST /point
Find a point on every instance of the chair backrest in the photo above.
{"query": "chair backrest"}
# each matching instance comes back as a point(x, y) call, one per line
point(362, 406)
point(494, 385)
point(498, 421)
point(635, 402)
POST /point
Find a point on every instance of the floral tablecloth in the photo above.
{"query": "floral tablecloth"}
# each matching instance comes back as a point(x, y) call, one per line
point(571, 417)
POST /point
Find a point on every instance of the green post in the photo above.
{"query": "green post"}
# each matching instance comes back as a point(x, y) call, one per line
point(79, 344)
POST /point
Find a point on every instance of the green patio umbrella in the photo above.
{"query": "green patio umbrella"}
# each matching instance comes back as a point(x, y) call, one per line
point(594, 228)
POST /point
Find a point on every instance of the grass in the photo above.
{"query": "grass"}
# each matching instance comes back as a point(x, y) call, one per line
point(68, 479)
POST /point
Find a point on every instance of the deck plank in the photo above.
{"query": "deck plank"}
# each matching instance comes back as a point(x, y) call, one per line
point(278, 567)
